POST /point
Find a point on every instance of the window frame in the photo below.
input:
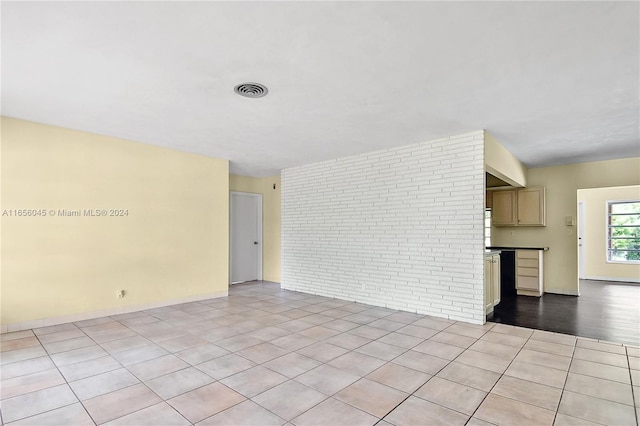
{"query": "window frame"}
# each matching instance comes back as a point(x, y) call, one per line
point(608, 233)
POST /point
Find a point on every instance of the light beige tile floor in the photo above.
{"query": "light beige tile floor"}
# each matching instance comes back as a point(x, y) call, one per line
point(266, 356)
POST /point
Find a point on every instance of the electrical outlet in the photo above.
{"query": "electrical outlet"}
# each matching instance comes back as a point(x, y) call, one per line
point(120, 294)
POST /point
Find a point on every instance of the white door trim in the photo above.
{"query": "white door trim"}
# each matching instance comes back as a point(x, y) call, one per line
point(582, 240)
point(259, 228)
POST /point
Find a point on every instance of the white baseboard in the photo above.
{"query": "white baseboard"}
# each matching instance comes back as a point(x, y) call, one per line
point(617, 279)
point(562, 291)
point(46, 322)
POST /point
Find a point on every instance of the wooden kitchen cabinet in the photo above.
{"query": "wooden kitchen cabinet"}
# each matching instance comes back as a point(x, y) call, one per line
point(491, 282)
point(518, 207)
point(529, 272)
point(531, 208)
point(488, 302)
point(503, 212)
point(495, 279)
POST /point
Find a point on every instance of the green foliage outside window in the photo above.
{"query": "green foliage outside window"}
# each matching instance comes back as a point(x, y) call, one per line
point(623, 231)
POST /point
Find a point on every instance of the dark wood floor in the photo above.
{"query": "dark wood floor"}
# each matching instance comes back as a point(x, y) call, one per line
point(604, 310)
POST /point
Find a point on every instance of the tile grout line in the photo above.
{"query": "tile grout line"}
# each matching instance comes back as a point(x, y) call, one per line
point(65, 379)
point(289, 379)
point(351, 350)
point(380, 419)
point(503, 374)
point(163, 375)
point(121, 366)
point(529, 338)
point(386, 362)
point(487, 394)
point(143, 382)
point(434, 375)
point(271, 298)
point(326, 363)
point(218, 381)
point(165, 401)
point(110, 355)
point(564, 385)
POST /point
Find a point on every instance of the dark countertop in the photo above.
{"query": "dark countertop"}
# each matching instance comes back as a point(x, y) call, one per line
point(517, 248)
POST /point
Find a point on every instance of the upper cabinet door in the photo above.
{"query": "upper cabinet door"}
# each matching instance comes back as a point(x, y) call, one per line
point(518, 207)
point(531, 208)
point(503, 212)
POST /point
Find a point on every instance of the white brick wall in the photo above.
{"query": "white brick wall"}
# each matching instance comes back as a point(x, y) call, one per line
point(401, 228)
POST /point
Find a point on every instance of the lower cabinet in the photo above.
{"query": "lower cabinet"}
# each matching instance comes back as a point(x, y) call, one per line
point(491, 282)
point(495, 278)
point(529, 272)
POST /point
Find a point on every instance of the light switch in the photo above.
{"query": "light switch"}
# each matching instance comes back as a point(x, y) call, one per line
point(570, 220)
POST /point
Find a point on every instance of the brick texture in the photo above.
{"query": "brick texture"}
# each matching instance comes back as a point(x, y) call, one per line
point(400, 228)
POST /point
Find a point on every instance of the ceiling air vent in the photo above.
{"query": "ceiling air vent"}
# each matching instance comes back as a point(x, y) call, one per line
point(251, 90)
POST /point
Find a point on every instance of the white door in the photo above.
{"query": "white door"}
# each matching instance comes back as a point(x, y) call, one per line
point(582, 253)
point(245, 237)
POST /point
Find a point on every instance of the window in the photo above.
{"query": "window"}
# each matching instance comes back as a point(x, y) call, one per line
point(623, 231)
point(487, 227)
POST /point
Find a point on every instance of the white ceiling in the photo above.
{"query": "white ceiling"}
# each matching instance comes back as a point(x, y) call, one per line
point(555, 82)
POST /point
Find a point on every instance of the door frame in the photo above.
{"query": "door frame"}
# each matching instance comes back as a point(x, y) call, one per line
point(259, 229)
point(582, 240)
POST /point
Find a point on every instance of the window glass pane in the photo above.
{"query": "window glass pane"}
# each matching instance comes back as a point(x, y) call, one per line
point(625, 219)
point(624, 231)
point(623, 237)
point(624, 255)
point(632, 255)
point(626, 207)
point(617, 256)
point(626, 244)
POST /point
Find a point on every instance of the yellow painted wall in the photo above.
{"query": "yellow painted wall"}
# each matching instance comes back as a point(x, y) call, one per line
point(595, 202)
point(270, 219)
point(562, 184)
point(502, 164)
point(173, 244)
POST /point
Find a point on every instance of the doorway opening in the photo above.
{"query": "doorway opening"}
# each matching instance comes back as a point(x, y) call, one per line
point(245, 239)
point(609, 234)
point(582, 242)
